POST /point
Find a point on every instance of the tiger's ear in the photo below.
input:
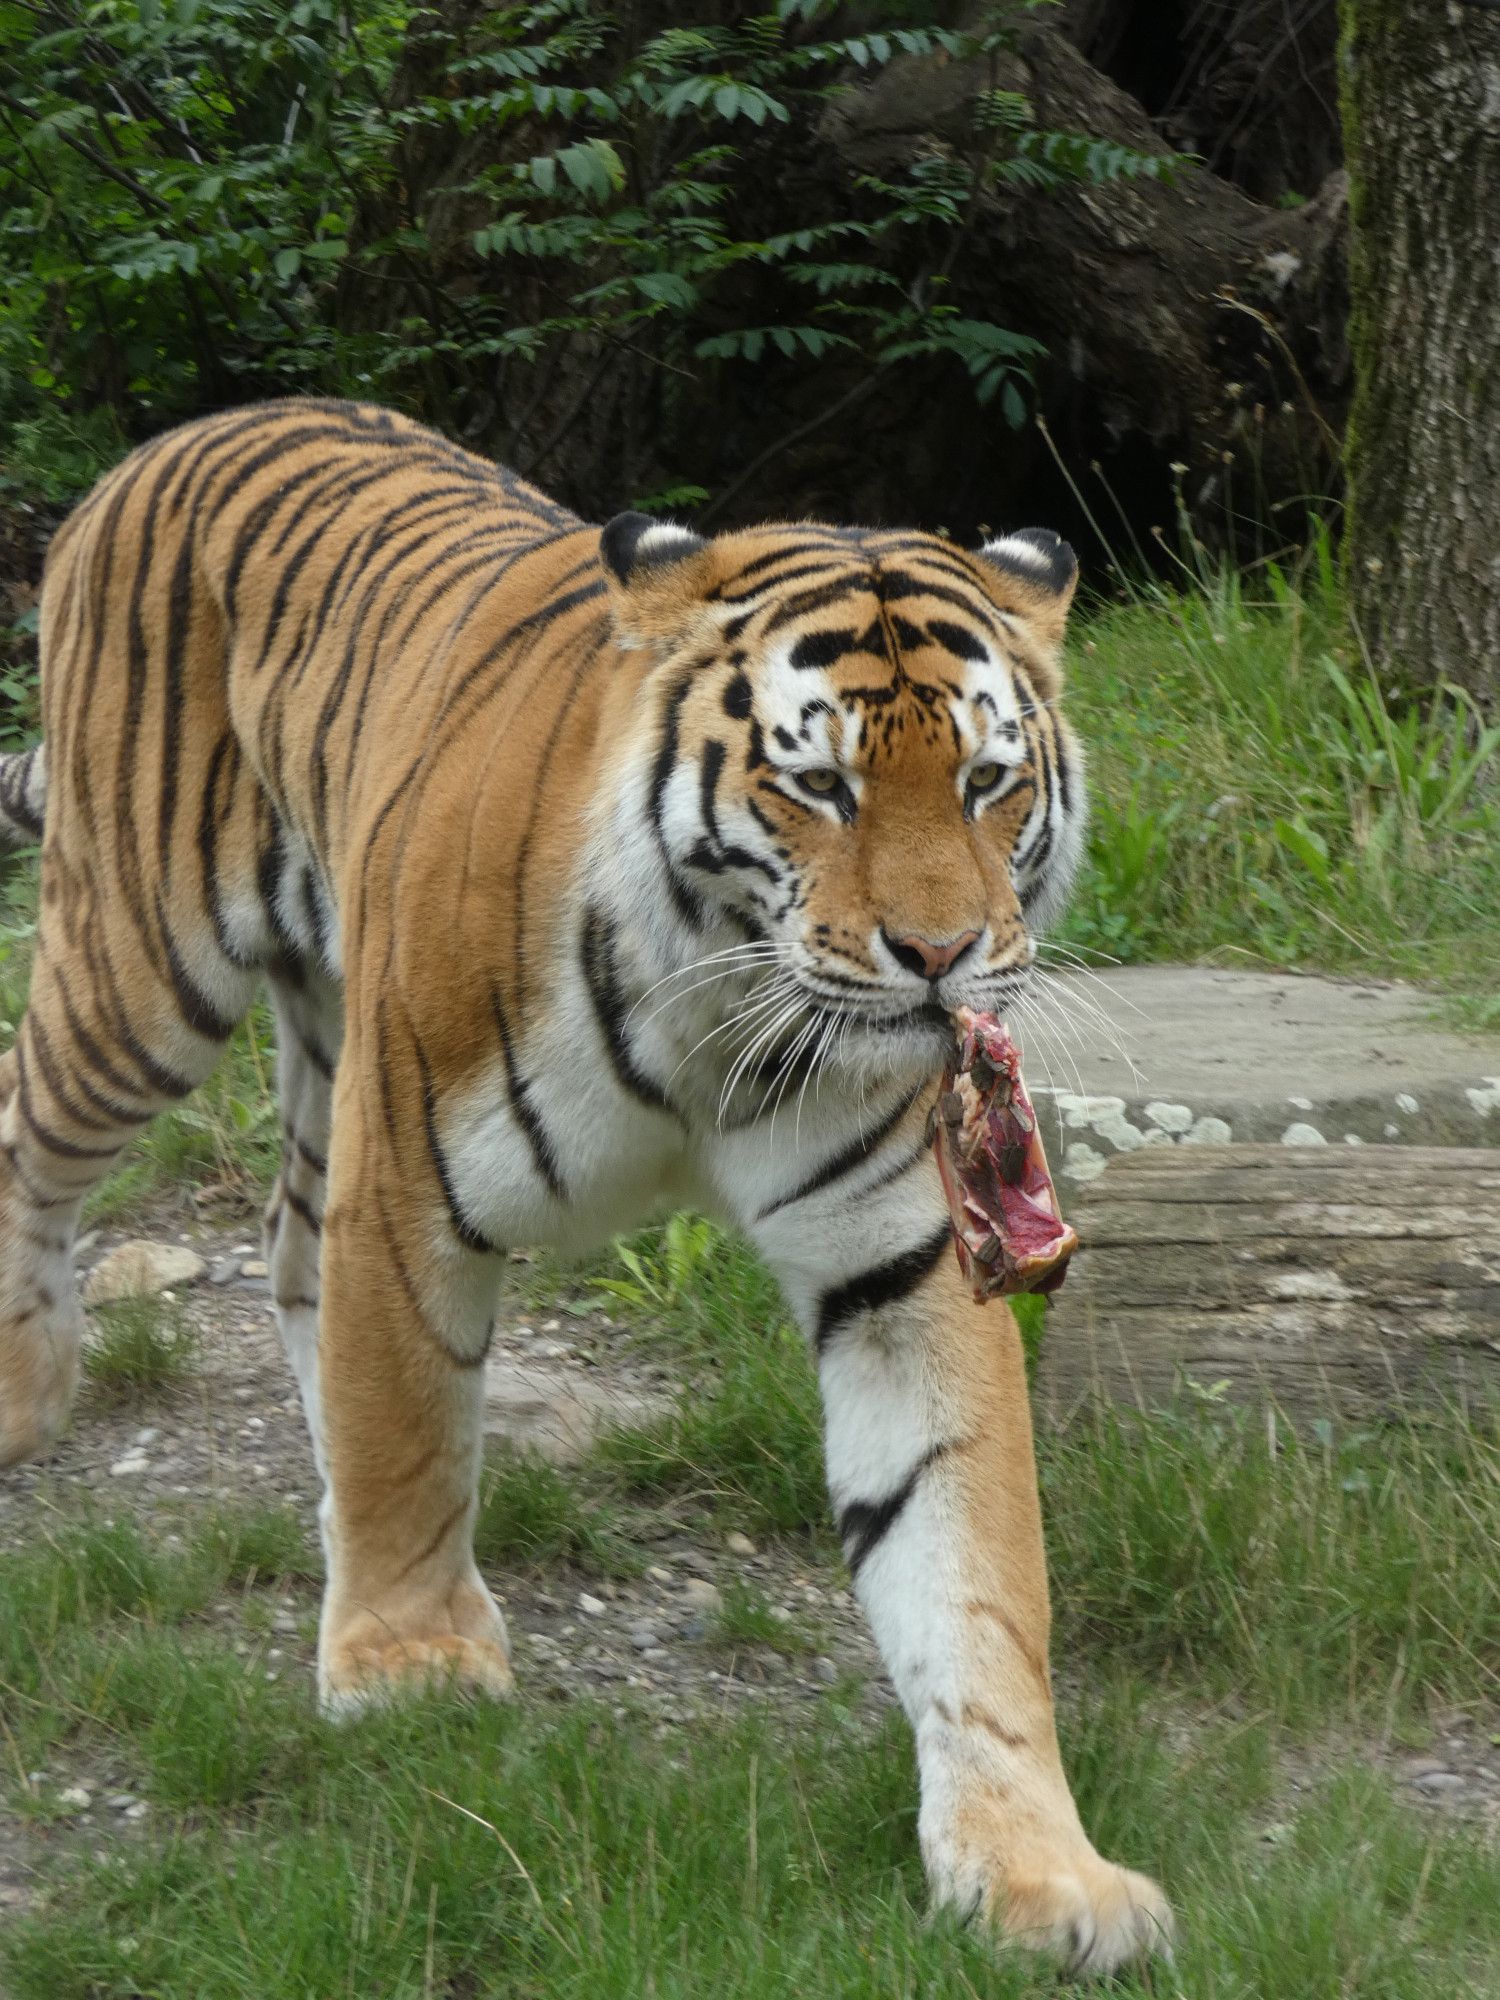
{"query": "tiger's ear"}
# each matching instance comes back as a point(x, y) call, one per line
point(1040, 573)
point(658, 575)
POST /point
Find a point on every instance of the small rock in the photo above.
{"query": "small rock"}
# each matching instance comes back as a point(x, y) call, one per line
point(140, 1267)
point(591, 1607)
point(1169, 1117)
point(644, 1637)
point(129, 1467)
point(659, 1575)
point(702, 1595)
point(223, 1270)
point(1302, 1134)
point(148, 1436)
point(825, 1670)
point(138, 1811)
point(739, 1545)
point(1438, 1783)
point(78, 1797)
point(254, 1267)
point(119, 1801)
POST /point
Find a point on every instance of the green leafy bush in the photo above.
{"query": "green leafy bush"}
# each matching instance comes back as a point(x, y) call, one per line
point(490, 217)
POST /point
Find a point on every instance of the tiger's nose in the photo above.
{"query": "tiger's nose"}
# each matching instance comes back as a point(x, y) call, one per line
point(925, 956)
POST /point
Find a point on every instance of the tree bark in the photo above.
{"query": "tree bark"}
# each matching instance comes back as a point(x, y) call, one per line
point(1421, 95)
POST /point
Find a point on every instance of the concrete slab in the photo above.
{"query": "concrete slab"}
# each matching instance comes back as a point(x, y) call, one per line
point(1163, 1055)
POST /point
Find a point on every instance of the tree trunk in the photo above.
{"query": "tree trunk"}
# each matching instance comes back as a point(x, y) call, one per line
point(1422, 132)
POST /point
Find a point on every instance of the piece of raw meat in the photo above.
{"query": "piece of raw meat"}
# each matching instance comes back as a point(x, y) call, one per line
point(1007, 1229)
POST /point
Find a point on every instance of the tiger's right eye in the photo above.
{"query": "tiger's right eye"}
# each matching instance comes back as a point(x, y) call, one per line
point(821, 781)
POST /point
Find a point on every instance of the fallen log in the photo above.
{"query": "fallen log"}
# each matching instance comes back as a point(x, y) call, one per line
point(1328, 1281)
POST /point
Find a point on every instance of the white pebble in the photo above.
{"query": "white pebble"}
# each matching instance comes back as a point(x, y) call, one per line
point(1303, 1135)
point(739, 1545)
point(1208, 1132)
point(1170, 1117)
point(591, 1607)
point(129, 1467)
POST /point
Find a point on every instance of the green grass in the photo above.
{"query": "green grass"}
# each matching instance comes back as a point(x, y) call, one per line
point(466, 1852)
point(533, 1513)
point(142, 1349)
point(747, 1617)
point(1259, 798)
point(1343, 1572)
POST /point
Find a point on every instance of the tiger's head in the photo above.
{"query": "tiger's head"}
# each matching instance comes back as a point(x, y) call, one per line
point(857, 755)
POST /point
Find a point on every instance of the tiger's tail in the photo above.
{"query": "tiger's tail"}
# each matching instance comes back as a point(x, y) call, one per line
point(23, 796)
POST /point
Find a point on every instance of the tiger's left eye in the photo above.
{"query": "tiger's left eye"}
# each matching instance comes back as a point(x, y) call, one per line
point(984, 777)
point(823, 781)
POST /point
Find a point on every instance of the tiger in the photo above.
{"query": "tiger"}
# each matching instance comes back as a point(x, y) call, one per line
point(589, 873)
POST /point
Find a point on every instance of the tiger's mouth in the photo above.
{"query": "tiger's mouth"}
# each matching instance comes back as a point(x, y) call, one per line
point(1008, 1230)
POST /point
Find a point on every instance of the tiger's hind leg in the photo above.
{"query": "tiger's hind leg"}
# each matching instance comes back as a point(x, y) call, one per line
point(100, 1052)
point(309, 1028)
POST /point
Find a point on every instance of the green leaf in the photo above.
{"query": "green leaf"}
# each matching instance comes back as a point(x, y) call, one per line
point(667, 288)
point(288, 262)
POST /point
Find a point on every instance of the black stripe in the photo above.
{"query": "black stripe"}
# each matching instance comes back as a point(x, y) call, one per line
point(115, 1114)
point(835, 559)
point(883, 1285)
point(64, 1148)
point(711, 771)
point(785, 552)
point(825, 649)
point(957, 640)
point(684, 901)
point(859, 1149)
point(815, 600)
point(470, 1237)
point(599, 974)
point(299, 1205)
point(15, 780)
point(526, 1112)
point(864, 1524)
point(894, 585)
point(157, 1077)
point(193, 1003)
point(310, 1154)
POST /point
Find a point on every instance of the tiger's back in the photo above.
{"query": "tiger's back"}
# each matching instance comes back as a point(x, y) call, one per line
point(586, 870)
point(249, 632)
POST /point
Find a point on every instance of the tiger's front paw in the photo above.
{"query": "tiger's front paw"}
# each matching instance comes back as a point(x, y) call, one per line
point(1055, 1895)
point(368, 1660)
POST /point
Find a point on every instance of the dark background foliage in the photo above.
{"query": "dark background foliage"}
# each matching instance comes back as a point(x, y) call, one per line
point(750, 259)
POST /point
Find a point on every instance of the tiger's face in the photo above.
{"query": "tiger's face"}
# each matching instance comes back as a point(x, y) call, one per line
point(860, 758)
